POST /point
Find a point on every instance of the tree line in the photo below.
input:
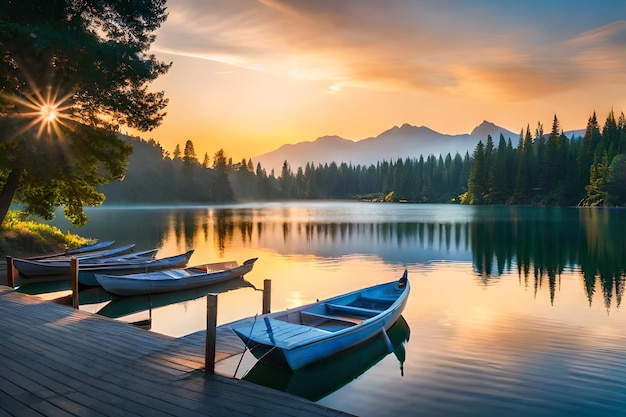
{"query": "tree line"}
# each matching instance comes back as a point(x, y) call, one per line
point(543, 169)
point(155, 176)
point(70, 78)
point(553, 169)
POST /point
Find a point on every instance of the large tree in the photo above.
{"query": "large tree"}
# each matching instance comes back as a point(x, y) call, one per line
point(71, 73)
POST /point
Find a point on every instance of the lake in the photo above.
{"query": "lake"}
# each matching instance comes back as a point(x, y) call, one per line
point(514, 311)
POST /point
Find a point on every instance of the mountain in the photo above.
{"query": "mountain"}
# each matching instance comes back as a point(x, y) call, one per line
point(403, 142)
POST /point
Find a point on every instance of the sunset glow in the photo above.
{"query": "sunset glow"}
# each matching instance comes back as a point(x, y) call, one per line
point(250, 76)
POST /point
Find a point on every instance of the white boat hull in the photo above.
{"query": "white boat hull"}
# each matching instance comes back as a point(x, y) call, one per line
point(172, 279)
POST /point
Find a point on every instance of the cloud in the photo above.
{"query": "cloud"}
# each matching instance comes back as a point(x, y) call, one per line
point(453, 47)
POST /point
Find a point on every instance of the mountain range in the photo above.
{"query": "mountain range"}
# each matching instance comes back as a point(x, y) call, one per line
point(403, 142)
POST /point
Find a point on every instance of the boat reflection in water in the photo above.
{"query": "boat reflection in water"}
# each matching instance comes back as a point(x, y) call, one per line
point(324, 377)
point(124, 306)
point(44, 287)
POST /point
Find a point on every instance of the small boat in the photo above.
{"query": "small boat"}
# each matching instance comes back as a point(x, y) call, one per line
point(174, 279)
point(87, 270)
point(336, 371)
point(31, 268)
point(78, 251)
point(301, 336)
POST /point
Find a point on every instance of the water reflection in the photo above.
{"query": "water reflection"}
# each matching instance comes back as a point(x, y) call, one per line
point(125, 306)
point(500, 318)
point(537, 243)
point(542, 243)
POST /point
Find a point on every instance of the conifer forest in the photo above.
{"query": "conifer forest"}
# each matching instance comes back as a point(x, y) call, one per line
point(542, 168)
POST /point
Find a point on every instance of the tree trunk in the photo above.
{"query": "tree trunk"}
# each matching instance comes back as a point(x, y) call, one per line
point(8, 191)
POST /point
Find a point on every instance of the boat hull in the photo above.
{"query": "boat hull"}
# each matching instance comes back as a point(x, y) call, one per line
point(61, 265)
point(169, 280)
point(87, 273)
point(336, 371)
point(75, 252)
point(304, 335)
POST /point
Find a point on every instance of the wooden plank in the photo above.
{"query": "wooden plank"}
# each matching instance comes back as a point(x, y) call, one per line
point(58, 361)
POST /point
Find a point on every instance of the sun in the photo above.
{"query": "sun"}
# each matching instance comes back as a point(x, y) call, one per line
point(48, 113)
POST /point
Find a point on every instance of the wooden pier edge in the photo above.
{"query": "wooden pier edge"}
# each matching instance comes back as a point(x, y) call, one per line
point(94, 365)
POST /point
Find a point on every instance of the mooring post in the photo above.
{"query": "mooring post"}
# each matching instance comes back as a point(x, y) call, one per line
point(211, 333)
point(267, 296)
point(74, 274)
point(11, 272)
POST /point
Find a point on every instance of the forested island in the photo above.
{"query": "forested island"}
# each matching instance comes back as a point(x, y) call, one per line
point(541, 169)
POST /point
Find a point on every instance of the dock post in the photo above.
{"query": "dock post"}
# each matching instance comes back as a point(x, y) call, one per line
point(74, 274)
point(211, 333)
point(267, 296)
point(11, 272)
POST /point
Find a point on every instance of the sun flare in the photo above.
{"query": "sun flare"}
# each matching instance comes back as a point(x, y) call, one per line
point(48, 113)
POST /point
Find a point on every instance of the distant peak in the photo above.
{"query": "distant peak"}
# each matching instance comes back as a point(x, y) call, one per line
point(488, 128)
point(331, 138)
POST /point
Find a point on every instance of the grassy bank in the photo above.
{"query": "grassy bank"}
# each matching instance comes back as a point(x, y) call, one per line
point(20, 237)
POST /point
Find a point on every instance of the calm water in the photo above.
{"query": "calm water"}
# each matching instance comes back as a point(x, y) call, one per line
point(513, 311)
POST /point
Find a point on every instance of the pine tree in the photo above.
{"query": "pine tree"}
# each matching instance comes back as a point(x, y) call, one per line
point(177, 153)
point(478, 177)
point(73, 72)
point(189, 155)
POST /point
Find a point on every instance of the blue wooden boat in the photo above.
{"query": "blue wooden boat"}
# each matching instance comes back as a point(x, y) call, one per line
point(300, 336)
point(328, 375)
point(174, 279)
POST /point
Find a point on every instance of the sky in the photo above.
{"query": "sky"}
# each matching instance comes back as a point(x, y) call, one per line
point(249, 76)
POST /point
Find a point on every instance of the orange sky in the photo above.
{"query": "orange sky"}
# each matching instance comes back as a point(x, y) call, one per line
point(249, 76)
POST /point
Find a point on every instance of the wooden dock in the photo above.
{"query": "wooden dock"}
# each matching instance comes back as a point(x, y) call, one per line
point(57, 361)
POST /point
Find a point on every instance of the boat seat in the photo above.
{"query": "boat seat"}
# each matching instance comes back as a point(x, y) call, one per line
point(381, 299)
point(327, 317)
point(175, 273)
point(360, 311)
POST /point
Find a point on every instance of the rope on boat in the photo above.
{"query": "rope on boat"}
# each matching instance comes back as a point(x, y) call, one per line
point(246, 345)
point(250, 349)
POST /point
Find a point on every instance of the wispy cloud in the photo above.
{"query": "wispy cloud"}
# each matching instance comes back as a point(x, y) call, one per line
point(444, 46)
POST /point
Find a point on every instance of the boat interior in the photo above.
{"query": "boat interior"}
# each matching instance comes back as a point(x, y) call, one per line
point(338, 314)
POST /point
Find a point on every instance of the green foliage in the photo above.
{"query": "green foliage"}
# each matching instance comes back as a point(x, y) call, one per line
point(21, 236)
point(94, 53)
point(536, 172)
point(553, 170)
point(615, 183)
point(89, 62)
point(153, 178)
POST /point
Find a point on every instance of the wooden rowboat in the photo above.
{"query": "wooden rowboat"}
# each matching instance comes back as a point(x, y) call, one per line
point(301, 336)
point(87, 271)
point(174, 279)
point(61, 265)
point(336, 371)
point(75, 252)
